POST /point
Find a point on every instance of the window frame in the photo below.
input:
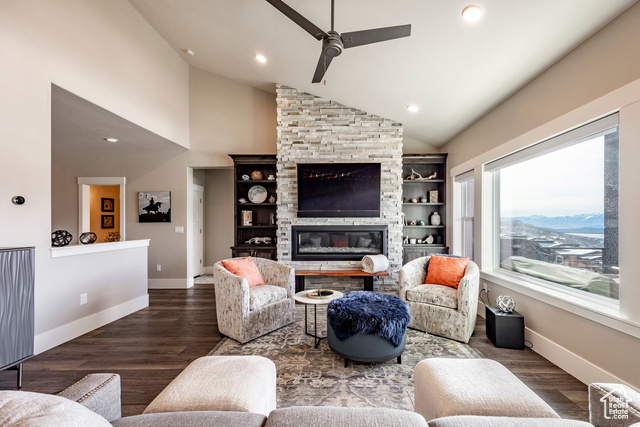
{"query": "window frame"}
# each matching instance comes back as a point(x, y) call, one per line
point(460, 208)
point(569, 138)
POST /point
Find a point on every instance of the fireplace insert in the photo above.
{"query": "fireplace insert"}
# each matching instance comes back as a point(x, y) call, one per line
point(337, 242)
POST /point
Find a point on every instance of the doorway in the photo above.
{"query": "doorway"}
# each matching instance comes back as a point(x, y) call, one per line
point(198, 233)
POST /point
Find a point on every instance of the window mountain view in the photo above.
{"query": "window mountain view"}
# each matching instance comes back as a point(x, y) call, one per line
point(574, 245)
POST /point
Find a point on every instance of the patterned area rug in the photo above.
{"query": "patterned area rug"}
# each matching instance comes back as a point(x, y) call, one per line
point(317, 377)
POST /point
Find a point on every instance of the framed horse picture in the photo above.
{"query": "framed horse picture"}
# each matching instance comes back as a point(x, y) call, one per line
point(154, 206)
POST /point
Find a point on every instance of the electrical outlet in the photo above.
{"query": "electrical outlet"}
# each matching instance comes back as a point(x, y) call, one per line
point(158, 267)
point(83, 299)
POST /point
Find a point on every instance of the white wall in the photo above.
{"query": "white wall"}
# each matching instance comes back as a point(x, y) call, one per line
point(598, 77)
point(104, 52)
point(218, 212)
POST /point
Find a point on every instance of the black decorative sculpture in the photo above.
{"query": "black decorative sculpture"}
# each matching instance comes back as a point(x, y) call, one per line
point(61, 238)
point(88, 237)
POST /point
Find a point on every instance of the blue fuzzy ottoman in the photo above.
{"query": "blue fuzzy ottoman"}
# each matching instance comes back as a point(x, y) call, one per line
point(367, 326)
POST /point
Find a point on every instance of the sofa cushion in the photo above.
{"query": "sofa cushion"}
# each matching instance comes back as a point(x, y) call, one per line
point(446, 271)
point(26, 409)
point(446, 387)
point(443, 296)
point(194, 419)
point(245, 268)
point(259, 296)
point(298, 416)
point(477, 421)
point(221, 383)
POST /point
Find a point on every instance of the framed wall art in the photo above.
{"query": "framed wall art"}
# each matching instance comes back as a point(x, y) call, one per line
point(154, 206)
point(108, 205)
point(108, 221)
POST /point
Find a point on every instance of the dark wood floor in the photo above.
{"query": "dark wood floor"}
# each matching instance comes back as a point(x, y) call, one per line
point(149, 348)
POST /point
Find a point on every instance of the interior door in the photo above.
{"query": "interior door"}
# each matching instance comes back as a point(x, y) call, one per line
point(198, 236)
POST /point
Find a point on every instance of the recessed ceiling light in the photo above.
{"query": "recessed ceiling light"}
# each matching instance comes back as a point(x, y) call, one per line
point(413, 108)
point(472, 13)
point(111, 139)
point(189, 52)
point(261, 58)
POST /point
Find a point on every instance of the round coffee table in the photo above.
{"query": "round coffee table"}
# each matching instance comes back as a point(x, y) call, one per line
point(303, 298)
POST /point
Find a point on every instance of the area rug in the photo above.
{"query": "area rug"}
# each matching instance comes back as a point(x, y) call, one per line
point(307, 376)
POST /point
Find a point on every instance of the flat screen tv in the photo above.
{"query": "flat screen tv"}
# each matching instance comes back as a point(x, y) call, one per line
point(338, 190)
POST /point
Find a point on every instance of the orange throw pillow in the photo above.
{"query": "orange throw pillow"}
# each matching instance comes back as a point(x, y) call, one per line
point(245, 268)
point(446, 271)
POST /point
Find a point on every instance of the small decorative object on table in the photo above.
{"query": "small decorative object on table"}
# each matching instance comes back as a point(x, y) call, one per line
point(405, 240)
point(245, 177)
point(259, 240)
point(505, 303)
point(404, 200)
point(271, 178)
point(320, 293)
point(256, 175)
point(272, 199)
point(423, 199)
point(433, 196)
point(435, 218)
point(413, 241)
point(247, 218)
point(429, 240)
point(88, 237)
point(412, 223)
point(242, 200)
point(421, 222)
point(113, 236)
point(414, 200)
point(60, 238)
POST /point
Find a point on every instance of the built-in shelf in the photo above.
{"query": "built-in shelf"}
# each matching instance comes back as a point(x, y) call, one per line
point(421, 181)
point(424, 226)
point(422, 204)
point(257, 204)
point(253, 181)
point(257, 226)
point(422, 245)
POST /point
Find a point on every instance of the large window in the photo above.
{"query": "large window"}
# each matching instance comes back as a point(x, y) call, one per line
point(465, 212)
point(556, 211)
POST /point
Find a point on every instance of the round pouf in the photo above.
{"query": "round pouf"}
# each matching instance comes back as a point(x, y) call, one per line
point(367, 326)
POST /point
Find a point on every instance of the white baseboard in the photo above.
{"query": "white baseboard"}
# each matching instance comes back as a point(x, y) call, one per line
point(572, 363)
point(207, 270)
point(170, 283)
point(47, 340)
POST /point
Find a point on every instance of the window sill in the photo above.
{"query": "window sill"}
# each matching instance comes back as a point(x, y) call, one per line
point(96, 247)
point(603, 313)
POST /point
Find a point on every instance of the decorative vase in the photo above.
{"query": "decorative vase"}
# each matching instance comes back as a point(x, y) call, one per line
point(505, 303)
point(435, 219)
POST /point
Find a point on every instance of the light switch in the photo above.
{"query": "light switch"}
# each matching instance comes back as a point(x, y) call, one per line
point(179, 229)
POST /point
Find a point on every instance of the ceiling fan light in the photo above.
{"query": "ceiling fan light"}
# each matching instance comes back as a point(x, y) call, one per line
point(472, 13)
point(261, 58)
point(413, 108)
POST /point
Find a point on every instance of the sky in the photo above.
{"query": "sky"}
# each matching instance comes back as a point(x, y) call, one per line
point(569, 181)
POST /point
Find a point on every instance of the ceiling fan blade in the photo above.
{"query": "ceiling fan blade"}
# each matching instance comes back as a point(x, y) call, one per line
point(359, 38)
point(307, 25)
point(321, 68)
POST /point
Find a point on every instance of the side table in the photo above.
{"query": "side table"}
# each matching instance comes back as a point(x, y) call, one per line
point(505, 330)
point(303, 298)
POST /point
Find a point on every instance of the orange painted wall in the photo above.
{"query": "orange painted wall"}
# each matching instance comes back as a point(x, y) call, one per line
point(97, 193)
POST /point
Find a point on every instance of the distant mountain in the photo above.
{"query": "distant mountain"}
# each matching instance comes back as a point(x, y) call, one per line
point(583, 223)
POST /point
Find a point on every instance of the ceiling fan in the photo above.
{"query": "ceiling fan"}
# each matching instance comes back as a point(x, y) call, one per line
point(333, 42)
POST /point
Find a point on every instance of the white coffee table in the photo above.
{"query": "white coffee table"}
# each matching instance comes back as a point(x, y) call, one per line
point(303, 298)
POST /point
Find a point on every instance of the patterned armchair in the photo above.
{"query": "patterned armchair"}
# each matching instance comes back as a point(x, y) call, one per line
point(441, 310)
point(246, 313)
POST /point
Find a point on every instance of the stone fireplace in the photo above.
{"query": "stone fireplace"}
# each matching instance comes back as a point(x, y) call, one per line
point(313, 129)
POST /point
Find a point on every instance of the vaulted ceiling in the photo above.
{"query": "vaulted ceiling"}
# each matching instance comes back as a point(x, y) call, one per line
point(454, 71)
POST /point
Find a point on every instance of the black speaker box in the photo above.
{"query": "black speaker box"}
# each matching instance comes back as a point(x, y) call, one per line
point(505, 330)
